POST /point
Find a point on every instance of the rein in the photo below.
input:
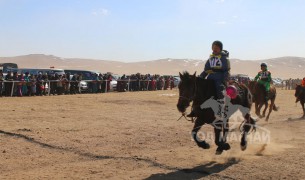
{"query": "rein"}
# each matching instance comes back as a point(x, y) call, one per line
point(192, 119)
point(190, 100)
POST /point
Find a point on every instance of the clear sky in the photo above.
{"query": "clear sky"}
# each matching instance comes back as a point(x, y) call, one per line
point(136, 30)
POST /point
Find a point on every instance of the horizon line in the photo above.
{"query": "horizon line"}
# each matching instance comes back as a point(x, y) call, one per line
point(135, 61)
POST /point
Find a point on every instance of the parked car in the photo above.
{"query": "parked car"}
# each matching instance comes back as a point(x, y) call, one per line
point(241, 78)
point(114, 82)
point(176, 81)
point(277, 81)
point(86, 75)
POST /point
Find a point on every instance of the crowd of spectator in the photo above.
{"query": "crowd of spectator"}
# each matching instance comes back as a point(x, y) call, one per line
point(290, 84)
point(140, 82)
point(14, 84)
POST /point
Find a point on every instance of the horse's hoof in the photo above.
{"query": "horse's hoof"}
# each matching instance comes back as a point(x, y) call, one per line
point(226, 146)
point(204, 145)
point(219, 151)
point(267, 118)
point(243, 146)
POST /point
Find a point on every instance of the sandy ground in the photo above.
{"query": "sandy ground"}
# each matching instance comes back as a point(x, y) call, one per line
point(137, 136)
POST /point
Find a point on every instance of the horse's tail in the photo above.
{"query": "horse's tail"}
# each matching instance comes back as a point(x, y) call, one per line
point(274, 108)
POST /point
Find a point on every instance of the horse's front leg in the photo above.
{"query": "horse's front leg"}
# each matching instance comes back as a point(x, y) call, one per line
point(246, 127)
point(256, 109)
point(266, 106)
point(220, 140)
point(259, 110)
point(201, 143)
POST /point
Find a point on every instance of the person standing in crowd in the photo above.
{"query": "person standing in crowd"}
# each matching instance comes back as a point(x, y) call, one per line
point(59, 85)
point(45, 78)
point(290, 84)
point(16, 84)
point(1, 82)
point(171, 79)
point(99, 83)
point(73, 84)
point(109, 79)
point(33, 85)
point(68, 77)
point(79, 78)
point(19, 85)
point(94, 78)
point(65, 84)
point(26, 89)
point(39, 84)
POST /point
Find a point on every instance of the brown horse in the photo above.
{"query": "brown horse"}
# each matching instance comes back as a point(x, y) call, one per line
point(300, 95)
point(198, 90)
point(259, 95)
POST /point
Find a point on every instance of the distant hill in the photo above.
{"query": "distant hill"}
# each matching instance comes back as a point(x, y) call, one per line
point(283, 67)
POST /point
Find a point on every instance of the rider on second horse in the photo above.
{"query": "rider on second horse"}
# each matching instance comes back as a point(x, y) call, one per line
point(216, 68)
point(303, 89)
point(264, 77)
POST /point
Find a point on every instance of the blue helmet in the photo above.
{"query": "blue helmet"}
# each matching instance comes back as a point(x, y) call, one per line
point(264, 64)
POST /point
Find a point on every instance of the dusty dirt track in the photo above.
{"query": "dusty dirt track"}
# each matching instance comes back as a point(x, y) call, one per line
point(136, 136)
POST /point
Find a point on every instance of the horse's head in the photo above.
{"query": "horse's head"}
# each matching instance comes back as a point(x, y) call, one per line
point(298, 90)
point(187, 87)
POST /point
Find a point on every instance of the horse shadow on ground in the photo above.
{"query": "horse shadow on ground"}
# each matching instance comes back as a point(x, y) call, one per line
point(198, 172)
point(178, 173)
point(296, 119)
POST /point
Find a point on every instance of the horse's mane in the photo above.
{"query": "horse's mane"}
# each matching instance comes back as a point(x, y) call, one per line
point(185, 75)
point(257, 86)
point(205, 88)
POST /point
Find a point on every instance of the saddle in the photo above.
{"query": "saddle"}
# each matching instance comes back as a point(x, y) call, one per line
point(237, 86)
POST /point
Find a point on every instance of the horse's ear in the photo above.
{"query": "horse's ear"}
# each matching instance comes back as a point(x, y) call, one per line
point(195, 73)
point(180, 75)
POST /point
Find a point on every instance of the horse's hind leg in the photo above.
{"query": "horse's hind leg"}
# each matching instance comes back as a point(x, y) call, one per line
point(270, 109)
point(201, 143)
